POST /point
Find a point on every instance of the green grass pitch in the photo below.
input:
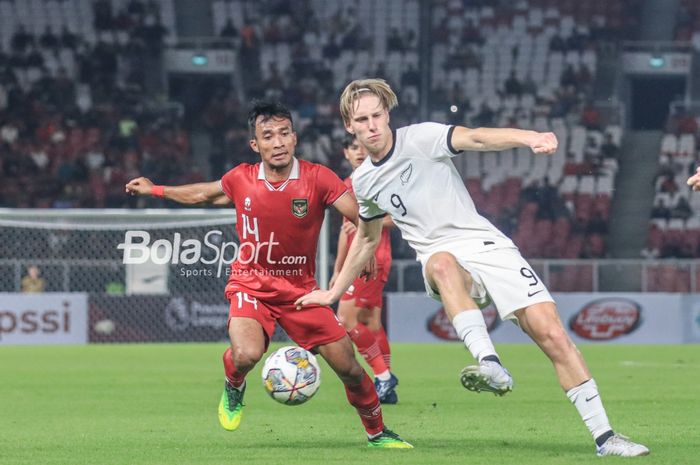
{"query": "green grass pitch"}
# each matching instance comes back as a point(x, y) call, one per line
point(156, 404)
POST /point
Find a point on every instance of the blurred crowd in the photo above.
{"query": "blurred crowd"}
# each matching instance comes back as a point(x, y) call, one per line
point(75, 119)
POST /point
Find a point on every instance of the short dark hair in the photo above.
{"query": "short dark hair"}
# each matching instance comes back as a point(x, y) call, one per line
point(348, 140)
point(267, 110)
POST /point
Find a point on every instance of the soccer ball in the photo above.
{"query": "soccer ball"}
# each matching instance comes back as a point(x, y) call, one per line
point(291, 375)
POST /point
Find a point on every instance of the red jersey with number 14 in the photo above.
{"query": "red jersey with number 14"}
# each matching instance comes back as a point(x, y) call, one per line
point(278, 225)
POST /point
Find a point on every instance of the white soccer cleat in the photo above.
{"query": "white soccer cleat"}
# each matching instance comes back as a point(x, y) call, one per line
point(488, 376)
point(622, 446)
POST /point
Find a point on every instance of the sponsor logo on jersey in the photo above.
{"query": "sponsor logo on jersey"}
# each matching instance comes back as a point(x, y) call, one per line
point(439, 323)
point(300, 207)
point(606, 319)
point(246, 204)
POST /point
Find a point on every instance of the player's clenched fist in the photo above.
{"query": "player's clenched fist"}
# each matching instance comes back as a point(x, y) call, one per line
point(139, 186)
point(694, 180)
point(544, 142)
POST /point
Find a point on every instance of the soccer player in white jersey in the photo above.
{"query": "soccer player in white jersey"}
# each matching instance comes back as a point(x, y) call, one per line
point(410, 175)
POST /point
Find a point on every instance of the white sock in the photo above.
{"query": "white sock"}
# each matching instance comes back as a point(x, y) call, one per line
point(383, 376)
point(471, 328)
point(586, 399)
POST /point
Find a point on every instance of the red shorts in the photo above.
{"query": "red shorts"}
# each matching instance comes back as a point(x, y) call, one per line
point(366, 294)
point(308, 327)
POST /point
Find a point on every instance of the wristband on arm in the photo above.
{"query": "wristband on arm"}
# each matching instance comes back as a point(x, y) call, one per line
point(158, 191)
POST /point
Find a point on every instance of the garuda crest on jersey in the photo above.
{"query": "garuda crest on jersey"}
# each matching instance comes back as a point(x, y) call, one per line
point(300, 207)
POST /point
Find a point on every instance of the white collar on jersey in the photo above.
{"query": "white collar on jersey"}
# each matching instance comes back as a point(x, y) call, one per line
point(294, 174)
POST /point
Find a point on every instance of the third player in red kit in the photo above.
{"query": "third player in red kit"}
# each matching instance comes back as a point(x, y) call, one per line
point(280, 204)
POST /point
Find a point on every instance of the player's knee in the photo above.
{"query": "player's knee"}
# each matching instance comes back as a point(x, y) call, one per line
point(347, 314)
point(245, 358)
point(373, 324)
point(350, 371)
point(354, 373)
point(442, 266)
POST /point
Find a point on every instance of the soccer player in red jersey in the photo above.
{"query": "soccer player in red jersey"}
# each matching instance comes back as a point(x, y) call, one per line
point(360, 308)
point(280, 204)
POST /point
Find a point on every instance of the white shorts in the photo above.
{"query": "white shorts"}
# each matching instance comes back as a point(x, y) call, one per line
point(502, 276)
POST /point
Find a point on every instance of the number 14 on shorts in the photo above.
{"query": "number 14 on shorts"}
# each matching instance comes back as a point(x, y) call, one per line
point(244, 297)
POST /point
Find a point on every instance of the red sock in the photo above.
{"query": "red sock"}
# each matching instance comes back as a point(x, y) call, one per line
point(383, 342)
point(368, 347)
point(235, 377)
point(364, 398)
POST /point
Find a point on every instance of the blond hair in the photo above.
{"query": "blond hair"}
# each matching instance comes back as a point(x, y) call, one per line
point(358, 87)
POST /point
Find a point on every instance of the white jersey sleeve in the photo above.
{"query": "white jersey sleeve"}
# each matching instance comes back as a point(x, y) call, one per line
point(433, 140)
point(369, 210)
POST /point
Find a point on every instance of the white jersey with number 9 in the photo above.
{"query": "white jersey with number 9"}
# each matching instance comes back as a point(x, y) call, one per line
point(419, 186)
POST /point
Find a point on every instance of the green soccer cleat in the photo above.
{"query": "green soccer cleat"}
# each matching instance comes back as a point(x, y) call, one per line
point(387, 439)
point(231, 407)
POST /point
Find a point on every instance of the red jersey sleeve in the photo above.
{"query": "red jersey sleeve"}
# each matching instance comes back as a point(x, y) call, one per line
point(228, 183)
point(330, 185)
point(348, 183)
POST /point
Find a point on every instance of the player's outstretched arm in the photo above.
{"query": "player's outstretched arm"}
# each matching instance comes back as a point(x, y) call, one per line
point(341, 253)
point(494, 139)
point(189, 194)
point(362, 250)
point(347, 206)
point(694, 180)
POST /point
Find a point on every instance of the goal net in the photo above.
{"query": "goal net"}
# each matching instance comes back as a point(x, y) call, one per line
point(149, 275)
